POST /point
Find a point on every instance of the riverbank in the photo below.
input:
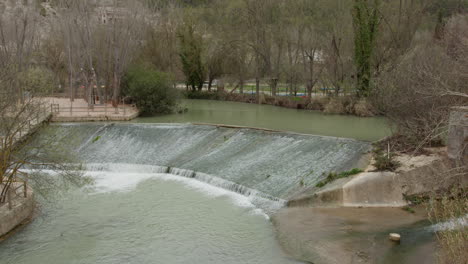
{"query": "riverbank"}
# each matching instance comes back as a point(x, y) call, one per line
point(344, 105)
point(350, 219)
point(336, 235)
point(415, 176)
point(18, 206)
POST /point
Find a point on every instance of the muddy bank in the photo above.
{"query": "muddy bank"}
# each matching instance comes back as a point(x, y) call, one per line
point(354, 235)
point(349, 220)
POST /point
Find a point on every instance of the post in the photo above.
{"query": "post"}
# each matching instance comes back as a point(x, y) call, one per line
point(10, 204)
point(25, 187)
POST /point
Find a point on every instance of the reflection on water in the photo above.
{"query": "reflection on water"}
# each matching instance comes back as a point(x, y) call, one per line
point(277, 118)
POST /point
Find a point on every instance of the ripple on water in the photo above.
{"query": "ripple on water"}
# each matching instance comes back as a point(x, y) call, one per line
point(146, 218)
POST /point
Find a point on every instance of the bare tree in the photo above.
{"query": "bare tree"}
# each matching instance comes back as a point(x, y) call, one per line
point(418, 93)
point(20, 110)
point(258, 27)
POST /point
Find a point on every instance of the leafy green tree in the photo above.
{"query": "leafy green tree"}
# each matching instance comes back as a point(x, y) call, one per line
point(151, 90)
point(190, 52)
point(37, 80)
point(366, 21)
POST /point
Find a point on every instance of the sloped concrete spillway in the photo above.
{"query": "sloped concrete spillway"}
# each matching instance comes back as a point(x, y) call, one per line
point(263, 164)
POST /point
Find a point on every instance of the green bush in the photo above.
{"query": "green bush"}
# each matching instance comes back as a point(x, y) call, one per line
point(385, 161)
point(150, 90)
point(334, 176)
point(202, 95)
point(37, 80)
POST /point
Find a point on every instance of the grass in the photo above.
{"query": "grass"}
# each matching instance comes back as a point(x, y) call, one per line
point(385, 161)
point(408, 209)
point(453, 241)
point(302, 183)
point(96, 139)
point(416, 199)
point(332, 176)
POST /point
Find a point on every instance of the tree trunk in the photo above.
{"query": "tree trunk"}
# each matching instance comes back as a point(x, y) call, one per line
point(310, 87)
point(70, 76)
point(257, 89)
point(115, 95)
point(210, 83)
point(274, 85)
point(241, 85)
point(99, 89)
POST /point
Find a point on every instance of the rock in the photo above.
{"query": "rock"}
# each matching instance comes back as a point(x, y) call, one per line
point(394, 237)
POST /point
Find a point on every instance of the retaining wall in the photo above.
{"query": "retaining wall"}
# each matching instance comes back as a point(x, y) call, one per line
point(385, 189)
point(21, 211)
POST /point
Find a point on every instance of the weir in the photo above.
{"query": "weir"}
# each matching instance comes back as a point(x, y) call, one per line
point(259, 199)
point(270, 165)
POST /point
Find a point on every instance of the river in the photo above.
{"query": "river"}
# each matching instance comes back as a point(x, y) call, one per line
point(277, 118)
point(181, 193)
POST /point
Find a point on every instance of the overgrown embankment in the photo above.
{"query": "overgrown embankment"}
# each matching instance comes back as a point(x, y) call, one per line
point(348, 105)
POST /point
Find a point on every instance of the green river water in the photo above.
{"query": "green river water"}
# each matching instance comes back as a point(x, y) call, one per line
point(187, 194)
point(145, 218)
point(277, 118)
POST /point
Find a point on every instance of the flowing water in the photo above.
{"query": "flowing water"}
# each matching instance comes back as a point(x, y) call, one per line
point(145, 218)
point(242, 160)
point(181, 193)
point(277, 118)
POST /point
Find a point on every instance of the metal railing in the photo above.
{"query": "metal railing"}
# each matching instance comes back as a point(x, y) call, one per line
point(16, 188)
point(80, 110)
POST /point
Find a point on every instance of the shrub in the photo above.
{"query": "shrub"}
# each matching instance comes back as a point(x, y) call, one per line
point(363, 108)
point(150, 90)
point(317, 104)
point(416, 93)
point(385, 161)
point(449, 213)
point(37, 80)
point(334, 176)
point(202, 95)
point(335, 106)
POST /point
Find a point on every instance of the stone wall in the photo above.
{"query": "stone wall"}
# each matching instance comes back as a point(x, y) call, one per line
point(457, 140)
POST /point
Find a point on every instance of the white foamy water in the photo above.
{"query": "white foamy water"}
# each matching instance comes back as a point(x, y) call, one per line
point(273, 164)
point(453, 224)
point(120, 176)
point(127, 181)
point(145, 217)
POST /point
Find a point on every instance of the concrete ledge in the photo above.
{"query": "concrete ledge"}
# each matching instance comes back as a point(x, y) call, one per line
point(375, 189)
point(385, 189)
point(22, 210)
point(94, 118)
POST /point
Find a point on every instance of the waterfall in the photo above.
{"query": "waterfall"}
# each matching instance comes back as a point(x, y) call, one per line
point(262, 200)
point(271, 165)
